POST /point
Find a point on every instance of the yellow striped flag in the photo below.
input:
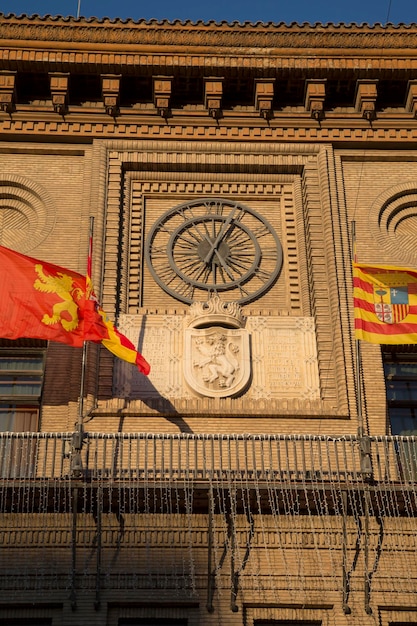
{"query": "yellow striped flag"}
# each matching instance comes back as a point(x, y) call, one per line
point(385, 302)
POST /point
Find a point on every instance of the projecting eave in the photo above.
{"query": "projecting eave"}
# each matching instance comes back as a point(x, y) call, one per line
point(234, 23)
point(259, 36)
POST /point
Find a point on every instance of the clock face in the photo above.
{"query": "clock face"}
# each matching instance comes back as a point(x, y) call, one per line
point(213, 245)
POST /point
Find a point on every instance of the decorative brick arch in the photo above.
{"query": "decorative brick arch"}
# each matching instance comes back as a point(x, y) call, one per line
point(27, 213)
point(393, 219)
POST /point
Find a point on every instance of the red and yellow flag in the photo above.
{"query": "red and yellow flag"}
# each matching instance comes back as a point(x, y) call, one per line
point(121, 346)
point(385, 303)
point(44, 301)
point(115, 342)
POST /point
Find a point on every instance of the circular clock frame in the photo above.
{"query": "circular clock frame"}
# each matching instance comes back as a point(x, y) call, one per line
point(213, 246)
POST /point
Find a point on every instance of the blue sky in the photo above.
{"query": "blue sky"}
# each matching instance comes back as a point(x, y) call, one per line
point(336, 11)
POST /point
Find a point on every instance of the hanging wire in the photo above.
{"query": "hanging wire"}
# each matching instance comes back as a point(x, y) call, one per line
point(388, 12)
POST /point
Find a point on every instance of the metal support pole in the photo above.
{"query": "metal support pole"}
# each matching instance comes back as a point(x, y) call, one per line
point(367, 581)
point(211, 579)
point(234, 575)
point(73, 594)
point(97, 602)
point(345, 579)
point(359, 388)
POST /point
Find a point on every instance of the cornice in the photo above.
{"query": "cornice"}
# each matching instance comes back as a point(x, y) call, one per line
point(215, 61)
point(357, 132)
point(235, 35)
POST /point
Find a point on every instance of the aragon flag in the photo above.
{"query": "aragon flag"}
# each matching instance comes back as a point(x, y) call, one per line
point(43, 301)
point(385, 304)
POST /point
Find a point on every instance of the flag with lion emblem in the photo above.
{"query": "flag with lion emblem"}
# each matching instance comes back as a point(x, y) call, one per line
point(40, 300)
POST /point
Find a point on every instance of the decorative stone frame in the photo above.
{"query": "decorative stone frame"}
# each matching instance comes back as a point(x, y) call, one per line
point(314, 238)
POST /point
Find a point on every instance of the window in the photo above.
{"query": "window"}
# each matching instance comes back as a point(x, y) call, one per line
point(22, 365)
point(153, 614)
point(152, 621)
point(21, 379)
point(25, 621)
point(400, 369)
point(274, 622)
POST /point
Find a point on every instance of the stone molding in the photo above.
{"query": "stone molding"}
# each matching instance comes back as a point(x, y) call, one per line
point(218, 35)
point(114, 61)
point(300, 129)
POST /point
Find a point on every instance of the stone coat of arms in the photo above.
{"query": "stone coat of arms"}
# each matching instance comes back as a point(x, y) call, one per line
point(217, 356)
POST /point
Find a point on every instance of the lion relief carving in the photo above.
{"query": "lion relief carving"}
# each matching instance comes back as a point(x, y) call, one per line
point(217, 359)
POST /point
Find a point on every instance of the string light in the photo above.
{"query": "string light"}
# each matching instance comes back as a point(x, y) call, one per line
point(279, 519)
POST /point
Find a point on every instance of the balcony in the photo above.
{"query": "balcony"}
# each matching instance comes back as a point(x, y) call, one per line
point(184, 500)
point(149, 456)
point(253, 464)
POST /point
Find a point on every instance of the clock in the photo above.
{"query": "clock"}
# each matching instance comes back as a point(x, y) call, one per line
point(213, 246)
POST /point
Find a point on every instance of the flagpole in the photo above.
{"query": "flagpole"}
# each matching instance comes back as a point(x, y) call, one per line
point(84, 357)
point(76, 464)
point(358, 377)
point(364, 439)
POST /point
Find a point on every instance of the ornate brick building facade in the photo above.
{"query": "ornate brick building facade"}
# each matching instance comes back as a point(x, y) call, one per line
point(254, 478)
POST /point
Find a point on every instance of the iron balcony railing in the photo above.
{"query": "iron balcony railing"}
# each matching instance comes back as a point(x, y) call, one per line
point(179, 457)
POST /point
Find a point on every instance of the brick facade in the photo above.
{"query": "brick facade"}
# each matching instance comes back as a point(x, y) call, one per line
point(219, 510)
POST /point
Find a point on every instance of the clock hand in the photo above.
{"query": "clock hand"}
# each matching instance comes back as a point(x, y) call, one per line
point(220, 236)
point(224, 265)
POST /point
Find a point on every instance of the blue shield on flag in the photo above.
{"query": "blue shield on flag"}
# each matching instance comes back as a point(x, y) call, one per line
point(391, 303)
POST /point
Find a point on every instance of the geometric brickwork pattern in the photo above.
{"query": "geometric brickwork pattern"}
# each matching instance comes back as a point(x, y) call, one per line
point(27, 213)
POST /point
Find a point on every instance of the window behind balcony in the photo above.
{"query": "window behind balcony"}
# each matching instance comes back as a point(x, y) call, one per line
point(274, 622)
point(22, 365)
point(400, 369)
point(28, 621)
point(152, 621)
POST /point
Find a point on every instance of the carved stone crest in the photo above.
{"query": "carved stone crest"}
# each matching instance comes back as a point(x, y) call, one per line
point(217, 354)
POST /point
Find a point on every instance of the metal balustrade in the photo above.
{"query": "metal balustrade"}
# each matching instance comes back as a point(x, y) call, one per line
point(206, 457)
